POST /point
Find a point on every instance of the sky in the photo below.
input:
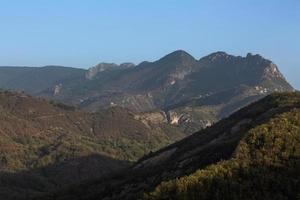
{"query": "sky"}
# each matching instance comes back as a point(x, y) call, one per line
point(82, 33)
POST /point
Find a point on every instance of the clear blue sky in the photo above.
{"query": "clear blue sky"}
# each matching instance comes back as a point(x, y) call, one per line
point(81, 33)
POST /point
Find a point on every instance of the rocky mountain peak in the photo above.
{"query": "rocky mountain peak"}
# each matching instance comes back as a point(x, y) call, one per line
point(250, 55)
point(177, 56)
point(126, 65)
point(219, 55)
point(270, 70)
point(93, 71)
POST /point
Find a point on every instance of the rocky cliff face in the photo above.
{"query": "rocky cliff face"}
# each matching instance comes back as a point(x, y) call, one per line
point(101, 67)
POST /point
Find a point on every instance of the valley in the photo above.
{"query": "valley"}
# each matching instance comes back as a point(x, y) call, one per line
point(169, 121)
point(248, 155)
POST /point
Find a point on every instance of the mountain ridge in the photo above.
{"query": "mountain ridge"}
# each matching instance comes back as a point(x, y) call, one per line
point(212, 87)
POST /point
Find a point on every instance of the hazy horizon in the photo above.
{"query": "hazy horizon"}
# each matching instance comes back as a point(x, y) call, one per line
point(82, 34)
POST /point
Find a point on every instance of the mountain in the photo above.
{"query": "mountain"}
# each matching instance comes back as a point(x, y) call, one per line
point(252, 154)
point(46, 145)
point(58, 145)
point(33, 80)
point(192, 93)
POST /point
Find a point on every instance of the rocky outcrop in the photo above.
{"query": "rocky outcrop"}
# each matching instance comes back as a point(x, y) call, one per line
point(57, 89)
point(152, 118)
point(93, 71)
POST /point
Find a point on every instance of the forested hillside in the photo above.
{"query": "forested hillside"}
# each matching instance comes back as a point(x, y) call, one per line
point(253, 154)
point(265, 165)
point(46, 145)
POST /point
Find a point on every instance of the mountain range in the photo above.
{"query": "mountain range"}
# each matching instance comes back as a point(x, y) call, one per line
point(175, 128)
point(191, 93)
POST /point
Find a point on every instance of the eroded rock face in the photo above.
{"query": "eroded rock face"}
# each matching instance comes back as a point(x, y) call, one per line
point(174, 118)
point(273, 71)
point(92, 72)
point(57, 89)
point(192, 119)
point(152, 117)
point(101, 67)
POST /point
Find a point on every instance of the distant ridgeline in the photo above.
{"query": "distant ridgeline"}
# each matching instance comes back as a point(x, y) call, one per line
point(191, 94)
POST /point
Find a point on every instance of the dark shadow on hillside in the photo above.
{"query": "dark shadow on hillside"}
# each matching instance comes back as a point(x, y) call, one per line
point(27, 184)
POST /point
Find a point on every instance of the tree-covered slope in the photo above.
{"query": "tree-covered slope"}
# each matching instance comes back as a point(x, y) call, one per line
point(255, 152)
point(265, 165)
point(52, 145)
